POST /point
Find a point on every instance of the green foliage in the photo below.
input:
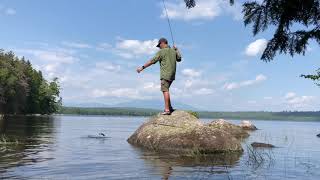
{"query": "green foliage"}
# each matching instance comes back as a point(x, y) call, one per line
point(192, 3)
point(296, 22)
point(23, 90)
point(109, 111)
point(315, 77)
point(285, 15)
point(195, 114)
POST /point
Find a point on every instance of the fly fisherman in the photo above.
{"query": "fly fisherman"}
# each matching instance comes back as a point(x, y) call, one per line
point(167, 58)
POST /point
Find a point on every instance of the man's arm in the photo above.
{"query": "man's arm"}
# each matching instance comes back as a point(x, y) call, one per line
point(179, 57)
point(155, 59)
point(147, 64)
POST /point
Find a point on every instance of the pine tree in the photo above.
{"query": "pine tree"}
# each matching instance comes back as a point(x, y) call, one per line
point(297, 22)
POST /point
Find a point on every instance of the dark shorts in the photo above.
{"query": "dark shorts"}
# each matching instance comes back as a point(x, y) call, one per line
point(165, 85)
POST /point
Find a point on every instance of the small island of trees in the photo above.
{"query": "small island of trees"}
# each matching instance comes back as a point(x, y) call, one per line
point(24, 90)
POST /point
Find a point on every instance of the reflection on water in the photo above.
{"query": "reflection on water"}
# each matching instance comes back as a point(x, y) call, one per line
point(25, 138)
point(164, 164)
point(58, 148)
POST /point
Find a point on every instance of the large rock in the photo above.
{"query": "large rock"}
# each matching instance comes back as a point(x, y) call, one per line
point(233, 129)
point(183, 133)
point(247, 125)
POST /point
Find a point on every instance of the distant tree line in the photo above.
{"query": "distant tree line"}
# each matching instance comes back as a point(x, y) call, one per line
point(108, 111)
point(24, 90)
point(260, 115)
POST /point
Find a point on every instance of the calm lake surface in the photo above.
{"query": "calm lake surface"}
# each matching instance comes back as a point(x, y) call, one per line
point(58, 148)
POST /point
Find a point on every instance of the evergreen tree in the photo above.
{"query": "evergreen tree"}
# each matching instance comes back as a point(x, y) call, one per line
point(297, 22)
point(23, 90)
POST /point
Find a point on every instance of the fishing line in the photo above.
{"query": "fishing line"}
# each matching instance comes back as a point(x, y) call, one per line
point(168, 19)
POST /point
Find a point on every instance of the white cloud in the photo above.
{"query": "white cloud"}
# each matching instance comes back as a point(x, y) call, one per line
point(290, 95)
point(130, 93)
point(51, 67)
point(192, 73)
point(151, 87)
point(204, 10)
point(235, 85)
point(104, 47)
point(108, 66)
point(10, 11)
point(203, 91)
point(294, 101)
point(76, 45)
point(57, 55)
point(256, 47)
point(267, 98)
point(134, 48)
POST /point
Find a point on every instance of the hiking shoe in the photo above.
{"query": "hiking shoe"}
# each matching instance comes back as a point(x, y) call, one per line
point(166, 113)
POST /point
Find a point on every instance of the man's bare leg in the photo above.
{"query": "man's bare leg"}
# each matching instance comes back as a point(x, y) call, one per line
point(167, 102)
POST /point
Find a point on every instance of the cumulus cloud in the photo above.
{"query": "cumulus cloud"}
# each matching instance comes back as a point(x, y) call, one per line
point(130, 93)
point(151, 87)
point(256, 47)
point(235, 85)
point(76, 45)
point(295, 101)
point(192, 73)
point(203, 91)
point(104, 46)
point(51, 61)
point(54, 55)
point(10, 11)
point(106, 66)
point(205, 10)
point(130, 48)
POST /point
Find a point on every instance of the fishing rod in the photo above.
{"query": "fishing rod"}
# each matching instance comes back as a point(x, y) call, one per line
point(168, 19)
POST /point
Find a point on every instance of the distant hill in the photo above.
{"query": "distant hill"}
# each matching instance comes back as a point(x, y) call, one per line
point(154, 104)
point(288, 116)
point(145, 104)
point(90, 104)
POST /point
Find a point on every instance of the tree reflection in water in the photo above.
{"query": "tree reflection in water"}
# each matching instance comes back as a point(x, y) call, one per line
point(32, 135)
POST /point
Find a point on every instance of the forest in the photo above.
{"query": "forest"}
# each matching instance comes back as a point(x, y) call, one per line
point(24, 90)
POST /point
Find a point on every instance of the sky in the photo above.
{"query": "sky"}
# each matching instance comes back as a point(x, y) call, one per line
point(94, 48)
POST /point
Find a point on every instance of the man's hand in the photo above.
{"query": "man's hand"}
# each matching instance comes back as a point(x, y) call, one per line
point(139, 69)
point(175, 47)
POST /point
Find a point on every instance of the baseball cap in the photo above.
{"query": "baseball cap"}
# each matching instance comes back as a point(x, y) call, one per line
point(161, 40)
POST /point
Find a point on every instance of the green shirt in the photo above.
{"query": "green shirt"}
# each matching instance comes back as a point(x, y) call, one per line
point(167, 58)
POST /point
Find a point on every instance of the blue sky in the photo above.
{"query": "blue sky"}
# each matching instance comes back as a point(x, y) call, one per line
point(94, 47)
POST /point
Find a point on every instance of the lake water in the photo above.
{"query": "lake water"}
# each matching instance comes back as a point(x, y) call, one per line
point(58, 148)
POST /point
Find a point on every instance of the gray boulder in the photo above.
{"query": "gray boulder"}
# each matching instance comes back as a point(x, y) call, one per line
point(184, 134)
point(233, 129)
point(247, 125)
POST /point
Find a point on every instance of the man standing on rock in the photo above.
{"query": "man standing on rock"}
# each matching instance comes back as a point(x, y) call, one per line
point(168, 58)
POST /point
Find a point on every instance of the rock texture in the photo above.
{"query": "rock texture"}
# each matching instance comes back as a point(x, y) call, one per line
point(247, 125)
point(233, 129)
point(183, 133)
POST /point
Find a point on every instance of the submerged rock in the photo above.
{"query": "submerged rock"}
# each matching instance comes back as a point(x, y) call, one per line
point(247, 125)
point(183, 133)
point(318, 135)
point(261, 145)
